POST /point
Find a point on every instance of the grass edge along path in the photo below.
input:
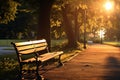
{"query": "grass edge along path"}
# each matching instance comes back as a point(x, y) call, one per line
point(113, 43)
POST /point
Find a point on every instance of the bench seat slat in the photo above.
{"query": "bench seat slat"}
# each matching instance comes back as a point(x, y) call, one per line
point(44, 57)
point(25, 47)
point(29, 60)
point(34, 50)
point(30, 42)
point(48, 56)
point(19, 48)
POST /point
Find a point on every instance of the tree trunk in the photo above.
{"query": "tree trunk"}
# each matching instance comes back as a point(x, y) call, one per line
point(68, 28)
point(76, 25)
point(44, 21)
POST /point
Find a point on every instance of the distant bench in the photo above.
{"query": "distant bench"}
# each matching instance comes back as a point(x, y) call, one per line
point(39, 49)
point(90, 42)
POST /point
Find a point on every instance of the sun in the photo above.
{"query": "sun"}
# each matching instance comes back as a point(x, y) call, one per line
point(108, 5)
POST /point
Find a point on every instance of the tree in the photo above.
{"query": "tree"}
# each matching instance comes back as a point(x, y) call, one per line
point(44, 20)
point(68, 28)
point(113, 25)
point(72, 20)
point(42, 7)
point(8, 10)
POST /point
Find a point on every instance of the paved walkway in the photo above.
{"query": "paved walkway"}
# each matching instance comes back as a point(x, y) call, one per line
point(6, 50)
point(98, 62)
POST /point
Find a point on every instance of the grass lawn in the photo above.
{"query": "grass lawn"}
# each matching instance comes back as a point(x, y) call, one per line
point(117, 44)
point(7, 42)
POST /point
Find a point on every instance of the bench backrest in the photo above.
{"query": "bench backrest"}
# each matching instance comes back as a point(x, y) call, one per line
point(29, 47)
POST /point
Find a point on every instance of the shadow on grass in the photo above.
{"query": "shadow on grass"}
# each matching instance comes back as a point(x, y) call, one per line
point(113, 69)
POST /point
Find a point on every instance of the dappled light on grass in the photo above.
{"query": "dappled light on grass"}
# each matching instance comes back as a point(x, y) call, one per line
point(64, 46)
point(8, 69)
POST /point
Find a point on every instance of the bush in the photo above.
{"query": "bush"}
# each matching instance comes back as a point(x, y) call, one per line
point(97, 40)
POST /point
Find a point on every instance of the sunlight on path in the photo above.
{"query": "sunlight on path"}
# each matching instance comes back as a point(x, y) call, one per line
point(6, 50)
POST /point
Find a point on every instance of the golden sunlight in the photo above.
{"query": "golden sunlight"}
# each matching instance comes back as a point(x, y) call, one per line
point(108, 5)
point(102, 33)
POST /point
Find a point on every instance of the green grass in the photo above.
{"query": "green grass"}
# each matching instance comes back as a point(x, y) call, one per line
point(7, 42)
point(58, 42)
point(117, 44)
point(12, 55)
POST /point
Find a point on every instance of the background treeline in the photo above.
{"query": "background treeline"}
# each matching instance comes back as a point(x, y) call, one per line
point(25, 20)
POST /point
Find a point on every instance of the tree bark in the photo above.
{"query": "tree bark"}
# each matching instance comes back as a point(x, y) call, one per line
point(76, 25)
point(44, 20)
point(68, 28)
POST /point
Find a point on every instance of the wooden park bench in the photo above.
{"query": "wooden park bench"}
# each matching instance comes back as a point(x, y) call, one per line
point(39, 51)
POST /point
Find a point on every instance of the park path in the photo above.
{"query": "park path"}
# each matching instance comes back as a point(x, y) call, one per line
point(97, 62)
point(6, 50)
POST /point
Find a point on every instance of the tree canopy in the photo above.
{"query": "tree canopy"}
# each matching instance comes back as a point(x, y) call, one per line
point(8, 10)
point(68, 15)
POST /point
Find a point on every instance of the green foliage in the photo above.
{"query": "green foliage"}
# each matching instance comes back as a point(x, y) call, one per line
point(21, 28)
point(96, 15)
point(8, 10)
point(56, 22)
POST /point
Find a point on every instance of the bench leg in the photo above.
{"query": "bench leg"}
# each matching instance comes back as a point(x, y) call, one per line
point(20, 73)
point(39, 77)
point(59, 61)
